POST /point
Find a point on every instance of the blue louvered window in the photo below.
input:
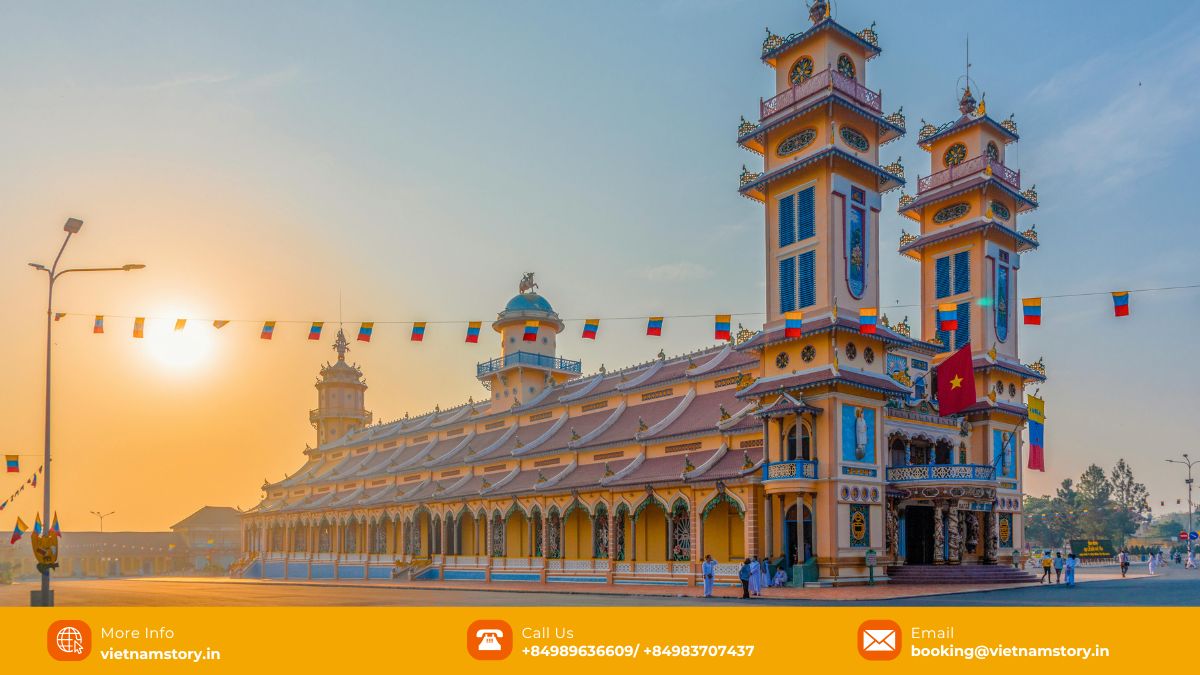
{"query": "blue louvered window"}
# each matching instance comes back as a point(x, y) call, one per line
point(963, 335)
point(787, 285)
point(806, 218)
point(807, 269)
point(942, 276)
point(787, 221)
point(962, 272)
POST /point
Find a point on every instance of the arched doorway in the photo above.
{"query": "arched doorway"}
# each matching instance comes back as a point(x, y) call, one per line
point(651, 541)
point(577, 533)
point(790, 544)
point(467, 530)
point(516, 534)
point(797, 444)
point(724, 530)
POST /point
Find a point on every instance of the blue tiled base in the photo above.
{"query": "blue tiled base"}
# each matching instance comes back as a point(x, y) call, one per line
point(351, 572)
point(454, 575)
point(322, 570)
point(577, 580)
point(297, 570)
point(515, 576)
point(379, 572)
point(273, 570)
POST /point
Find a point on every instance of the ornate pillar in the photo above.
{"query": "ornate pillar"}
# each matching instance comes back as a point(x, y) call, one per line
point(953, 534)
point(801, 558)
point(769, 526)
point(891, 529)
point(991, 542)
point(766, 432)
point(751, 527)
point(612, 534)
point(939, 534)
point(633, 544)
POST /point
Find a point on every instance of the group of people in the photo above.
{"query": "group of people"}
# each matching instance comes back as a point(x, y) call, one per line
point(755, 575)
point(1061, 566)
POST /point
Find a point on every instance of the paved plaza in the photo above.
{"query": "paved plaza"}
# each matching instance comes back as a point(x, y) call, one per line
point(1098, 586)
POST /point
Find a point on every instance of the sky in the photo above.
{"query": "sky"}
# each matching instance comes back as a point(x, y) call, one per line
point(396, 161)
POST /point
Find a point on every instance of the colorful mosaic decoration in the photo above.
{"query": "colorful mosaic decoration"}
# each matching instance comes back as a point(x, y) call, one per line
point(781, 361)
point(802, 70)
point(954, 155)
point(869, 355)
point(1001, 211)
point(1004, 530)
point(855, 139)
point(993, 152)
point(952, 212)
point(808, 353)
point(845, 66)
point(1001, 303)
point(856, 248)
point(796, 142)
point(860, 526)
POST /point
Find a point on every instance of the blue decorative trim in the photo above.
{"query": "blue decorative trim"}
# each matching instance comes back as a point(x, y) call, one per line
point(455, 575)
point(576, 580)
point(515, 576)
point(379, 572)
point(648, 582)
point(273, 570)
point(351, 572)
point(297, 570)
point(322, 571)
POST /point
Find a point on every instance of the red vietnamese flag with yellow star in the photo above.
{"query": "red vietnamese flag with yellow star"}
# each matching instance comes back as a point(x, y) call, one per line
point(956, 383)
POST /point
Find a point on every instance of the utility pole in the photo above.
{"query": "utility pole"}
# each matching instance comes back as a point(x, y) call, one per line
point(1188, 462)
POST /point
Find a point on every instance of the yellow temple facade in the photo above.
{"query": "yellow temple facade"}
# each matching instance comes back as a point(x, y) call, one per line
point(822, 453)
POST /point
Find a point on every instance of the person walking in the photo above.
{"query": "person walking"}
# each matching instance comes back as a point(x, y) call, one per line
point(1191, 560)
point(1058, 566)
point(1016, 559)
point(708, 570)
point(744, 576)
point(1071, 563)
point(755, 577)
point(1123, 559)
point(1046, 563)
point(1153, 564)
point(764, 574)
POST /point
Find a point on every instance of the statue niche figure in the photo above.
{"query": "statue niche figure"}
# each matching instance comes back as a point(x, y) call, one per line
point(860, 435)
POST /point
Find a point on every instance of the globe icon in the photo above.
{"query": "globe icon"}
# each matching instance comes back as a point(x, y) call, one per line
point(70, 640)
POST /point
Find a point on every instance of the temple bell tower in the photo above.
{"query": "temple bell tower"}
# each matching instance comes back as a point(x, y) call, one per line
point(340, 397)
point(528, 364)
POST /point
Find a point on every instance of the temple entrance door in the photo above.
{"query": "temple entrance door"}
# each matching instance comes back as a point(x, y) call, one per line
point(789, 535)
point(918, 535)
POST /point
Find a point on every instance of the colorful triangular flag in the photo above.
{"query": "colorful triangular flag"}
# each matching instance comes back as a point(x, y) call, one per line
point(98, 325)
point(180, 323)
point(364, 331)
point(793, 324)
point(139, 327)
point(54, 526)
point(1031, 309)
point(314, 331)
point(590, 328)
point(531, 331)
point(418, 332)
point(654, 326)
point(721, 326)
point(12, 463)
point(18, 530)
point(59, 315)
point(219, 323)
point(268, 330)
point(868, 318)
point(473, 331)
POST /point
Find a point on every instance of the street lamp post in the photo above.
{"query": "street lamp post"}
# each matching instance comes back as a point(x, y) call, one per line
point(1188, 462)
point(44, 597)
point(102, 516)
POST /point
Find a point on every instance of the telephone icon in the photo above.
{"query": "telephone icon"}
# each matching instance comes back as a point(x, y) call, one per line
point(489, 639)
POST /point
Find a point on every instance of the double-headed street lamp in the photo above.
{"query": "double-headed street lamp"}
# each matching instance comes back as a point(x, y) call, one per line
point(102, 516)
point(1188, 462)
point(44, 597)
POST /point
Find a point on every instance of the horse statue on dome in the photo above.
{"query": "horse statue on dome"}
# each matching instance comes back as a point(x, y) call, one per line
point(527, 283)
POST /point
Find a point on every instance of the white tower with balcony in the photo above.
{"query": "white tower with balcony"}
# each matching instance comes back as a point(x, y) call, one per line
point(528, 364)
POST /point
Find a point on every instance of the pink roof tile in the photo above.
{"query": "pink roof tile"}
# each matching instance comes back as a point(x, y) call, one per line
point(663, 469)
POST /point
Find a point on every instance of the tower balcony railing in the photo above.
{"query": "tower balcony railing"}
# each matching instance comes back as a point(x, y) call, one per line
point(351, 413)
point(941, 473)
point(796, 469)
point(823, 81)
point(529, 359)
point(1010, 177)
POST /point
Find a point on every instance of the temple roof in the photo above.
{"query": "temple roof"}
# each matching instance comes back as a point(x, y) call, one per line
point(769, 54)
point(826, 324)
point(825, 375)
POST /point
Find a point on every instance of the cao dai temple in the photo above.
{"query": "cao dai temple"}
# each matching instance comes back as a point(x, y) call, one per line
point(820, 452)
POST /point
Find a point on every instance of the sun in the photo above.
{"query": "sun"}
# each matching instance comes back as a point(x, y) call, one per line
point(183, 349)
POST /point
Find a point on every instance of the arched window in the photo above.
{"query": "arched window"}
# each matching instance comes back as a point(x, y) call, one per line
point(600, 532)
point(943, 453)
point(681, 532)
point(896, 449)
point(798, 443)
point(325, 538)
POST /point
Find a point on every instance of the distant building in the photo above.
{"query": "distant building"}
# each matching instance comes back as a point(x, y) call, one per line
point(212, 536)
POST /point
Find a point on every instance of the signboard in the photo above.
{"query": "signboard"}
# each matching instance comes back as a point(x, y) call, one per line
point(1092, 549)
point(1193, 535)
point(872, 558)
point(1183, 536)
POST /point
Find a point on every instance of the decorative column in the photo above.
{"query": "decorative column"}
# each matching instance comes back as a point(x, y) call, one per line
point(991, 542)
point(939, 534)
point(801, 556)
point(633, 543)
point(696, 548)
point(766, 424)
point(891, 529)
point(953, 534)
point(751, 527)
point(769, 526)
point(612, 543)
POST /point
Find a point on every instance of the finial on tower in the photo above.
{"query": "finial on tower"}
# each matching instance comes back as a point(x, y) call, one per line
point(967, 103)
point(527, 283)
point(818, 11)
point(340, 345)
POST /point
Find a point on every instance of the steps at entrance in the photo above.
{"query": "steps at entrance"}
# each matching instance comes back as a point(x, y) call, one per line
point(958, 574)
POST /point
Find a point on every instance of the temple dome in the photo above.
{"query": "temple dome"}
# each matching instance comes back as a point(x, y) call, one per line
point(525, 302)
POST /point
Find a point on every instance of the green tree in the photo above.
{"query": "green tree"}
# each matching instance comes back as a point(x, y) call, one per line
point(1131, 498)
point(1094, 508)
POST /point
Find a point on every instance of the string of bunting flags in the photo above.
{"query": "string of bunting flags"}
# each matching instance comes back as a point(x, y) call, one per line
point(946, 317)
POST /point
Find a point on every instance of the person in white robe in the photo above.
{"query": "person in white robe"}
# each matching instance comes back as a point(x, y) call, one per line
point(765, 572)
point(709, 570)
point(755, 578)
point(780, 577)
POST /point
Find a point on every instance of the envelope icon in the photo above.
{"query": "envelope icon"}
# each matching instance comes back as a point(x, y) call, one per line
point(879, 640)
